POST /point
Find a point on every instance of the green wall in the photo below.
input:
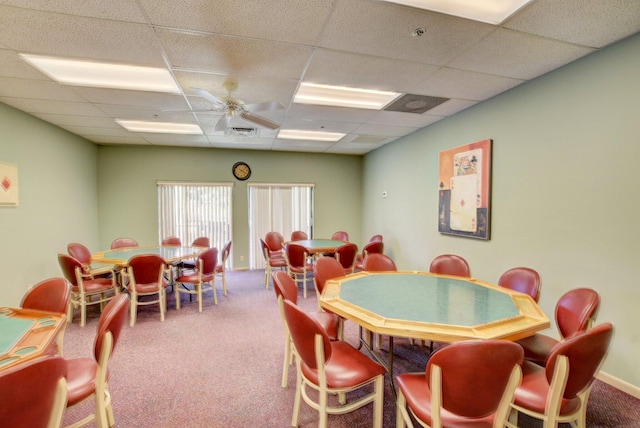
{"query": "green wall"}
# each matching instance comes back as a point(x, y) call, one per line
point(127, 179)
point(566, 193)
point(58, 200)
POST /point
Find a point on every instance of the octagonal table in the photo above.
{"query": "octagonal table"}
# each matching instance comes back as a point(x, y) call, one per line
point(438, 308)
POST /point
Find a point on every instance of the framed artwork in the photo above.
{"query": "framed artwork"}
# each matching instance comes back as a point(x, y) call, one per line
point(8, 185)
point(464, 181)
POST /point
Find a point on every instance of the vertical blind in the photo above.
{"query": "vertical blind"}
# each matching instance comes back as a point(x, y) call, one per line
point(277, 207)
point(191, 210)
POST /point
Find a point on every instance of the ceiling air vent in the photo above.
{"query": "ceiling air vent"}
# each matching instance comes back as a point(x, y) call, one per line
point(241, 132)
point(411, 103)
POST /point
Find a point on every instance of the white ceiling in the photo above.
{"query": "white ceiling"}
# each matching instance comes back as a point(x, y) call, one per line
point(270, 46)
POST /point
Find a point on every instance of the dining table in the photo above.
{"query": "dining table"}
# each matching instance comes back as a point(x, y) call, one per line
point(426, 306)
point(26, 334)
point(170, 253)
point(319, 246)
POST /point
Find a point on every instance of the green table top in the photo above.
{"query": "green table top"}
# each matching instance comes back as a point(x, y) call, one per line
point(319, 245)
point(11, 331)
point(122, 255)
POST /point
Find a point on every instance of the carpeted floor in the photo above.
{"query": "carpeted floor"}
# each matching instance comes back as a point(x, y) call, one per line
point(222, 367)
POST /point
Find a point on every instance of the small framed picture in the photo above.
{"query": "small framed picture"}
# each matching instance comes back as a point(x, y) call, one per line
point(8, 185)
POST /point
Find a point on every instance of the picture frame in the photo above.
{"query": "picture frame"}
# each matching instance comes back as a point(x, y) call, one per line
point(464, 189)
point(8, 185)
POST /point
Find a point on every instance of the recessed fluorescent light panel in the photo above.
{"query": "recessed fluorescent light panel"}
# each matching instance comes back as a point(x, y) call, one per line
point(104, 75)
point(159, 127)
point(293, 134)
point(341, 96)
point(489, 11)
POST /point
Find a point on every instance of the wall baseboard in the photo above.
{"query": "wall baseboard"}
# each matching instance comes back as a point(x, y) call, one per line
point(619, 384)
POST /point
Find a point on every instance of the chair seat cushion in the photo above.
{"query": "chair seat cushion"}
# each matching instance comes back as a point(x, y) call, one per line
point(193, 277)
point(329, 321)
point(537, 347)
point(301, 269)
point(347, 367)
point(415, 388)
point(532, 392)
point(94, 285)
point(81, 379)
point(148, 288)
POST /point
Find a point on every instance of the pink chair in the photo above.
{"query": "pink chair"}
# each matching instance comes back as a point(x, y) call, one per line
point(575, 311)
point(340, 236)
point(379, 263)
point(221, 268)
point(146, 274)
point(373, 247)
point(34, 393)
point(346, 255)
point(299, 235)
point(298, 266)
point(330, 368)
point(522, 279)
point(123, 243)
point(450, 264)
point(201, 241)
point(271, 261)
point(203, 277)
point(467, 383)
point(559, 392)
point(275, 244)
point(286, 289)
point(172, 240)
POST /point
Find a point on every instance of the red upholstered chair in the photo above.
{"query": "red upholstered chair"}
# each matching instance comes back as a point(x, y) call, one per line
point(559, 392)
point(299, 235)
point(346, 255)
point(467, 383)
point(83, 255)
point(85, 288)
point(201, 241)
point(373, 247)
point(275, 243)
point(146, 277)
point(379, 263)
point(221, 268)
point(286, 289)
point(172, 240)
point(330, 367)
point(88, 377)
point(50, 295)
point(450, 264)
point(298, 266)
point(203, 277)
point(522, 279)
point(575, 311)
point(271, 262)
point(34, 393)
point(326, 268)
point(340, 236)
point(123, 243)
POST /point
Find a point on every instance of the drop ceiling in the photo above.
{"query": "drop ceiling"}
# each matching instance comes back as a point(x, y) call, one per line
point(270, 46)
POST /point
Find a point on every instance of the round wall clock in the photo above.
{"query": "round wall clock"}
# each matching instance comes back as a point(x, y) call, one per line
point(241, 170)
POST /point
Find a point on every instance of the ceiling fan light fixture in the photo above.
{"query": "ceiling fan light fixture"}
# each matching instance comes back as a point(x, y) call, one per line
point(296, 134)
point(343, 96)
point(489, 11)
point(159, 127)
point(103, 75)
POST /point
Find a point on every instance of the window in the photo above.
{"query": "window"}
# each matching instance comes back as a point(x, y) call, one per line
point(277, 207)
point(191, 210)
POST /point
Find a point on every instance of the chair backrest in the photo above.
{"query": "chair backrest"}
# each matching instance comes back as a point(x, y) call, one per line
point(296, 255)
point(576, 311)
point(298, 235)
point(274, 241)
point(34, 394)
point(226, 250)
point(326, 268)
point(79, 252)
point(51, 295)
point(264, 248)
point(346, 254)
point(172, 240)
point(374, 247)
point(68, 266)
point(201, 241)
point(113, 317)
point(379, 263)
point(147, 268)
point(475, 375)
point(209, 259)
point(285, 286)
point(450, 264)
point(303, 329)
point(585, 352)
point(522, 279)
point(123, 243)
point(376, 238)
point(340, 236)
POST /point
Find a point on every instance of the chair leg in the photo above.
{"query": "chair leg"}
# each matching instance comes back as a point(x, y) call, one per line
point(133, 309)
point(224, 282)
point(298, 397)
point(378, 387)
point(402, 416)
point(215, 295)
point(177, 290)
point(162, 303)
point(199, 291)
point(287, 361)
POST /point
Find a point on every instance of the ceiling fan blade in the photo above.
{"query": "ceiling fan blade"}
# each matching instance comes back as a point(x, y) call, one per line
point(269, 105)
point(209, 110)
point(259, 120)
point(207, 95)
point(223, 123)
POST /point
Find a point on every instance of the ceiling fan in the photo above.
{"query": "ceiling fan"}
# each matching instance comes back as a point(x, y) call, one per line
point(231, 107)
